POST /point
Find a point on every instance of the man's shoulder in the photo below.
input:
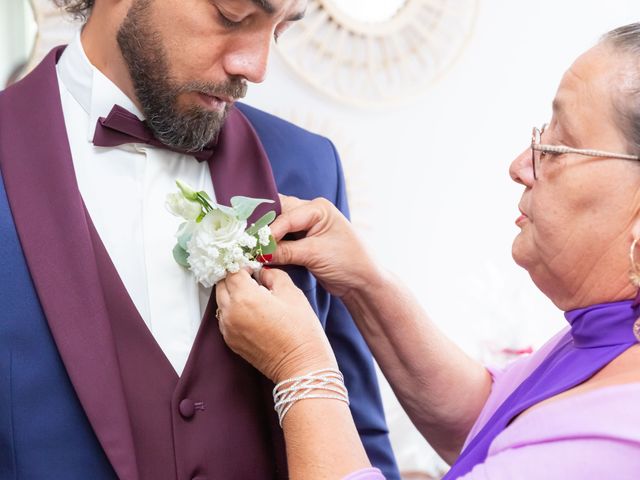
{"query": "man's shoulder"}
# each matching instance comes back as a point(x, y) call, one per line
point(271, 128)
point(304, 164)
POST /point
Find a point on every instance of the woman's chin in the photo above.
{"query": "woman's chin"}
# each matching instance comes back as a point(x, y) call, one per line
point(523, 253)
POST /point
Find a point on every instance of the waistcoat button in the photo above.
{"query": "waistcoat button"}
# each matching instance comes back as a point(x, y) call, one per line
point(187, 408)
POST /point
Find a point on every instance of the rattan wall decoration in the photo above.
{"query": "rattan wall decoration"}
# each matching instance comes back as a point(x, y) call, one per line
point(378, 63)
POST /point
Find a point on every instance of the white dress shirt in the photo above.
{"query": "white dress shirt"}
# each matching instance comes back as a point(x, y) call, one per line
point(124, 189)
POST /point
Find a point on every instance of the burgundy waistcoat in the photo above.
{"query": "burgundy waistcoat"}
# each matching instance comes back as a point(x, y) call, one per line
point(214, 422)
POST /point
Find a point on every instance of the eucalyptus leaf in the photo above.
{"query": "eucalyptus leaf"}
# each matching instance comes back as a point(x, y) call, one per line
point(269, 249)
point(227, 210)
point(184, 235)
point(263, 221)
point(180, 255)
point(245, 206)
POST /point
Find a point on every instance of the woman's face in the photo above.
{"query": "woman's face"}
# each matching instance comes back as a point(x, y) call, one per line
point(577, 216)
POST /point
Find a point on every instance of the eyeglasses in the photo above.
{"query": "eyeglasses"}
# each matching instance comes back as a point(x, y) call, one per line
point(538, 150)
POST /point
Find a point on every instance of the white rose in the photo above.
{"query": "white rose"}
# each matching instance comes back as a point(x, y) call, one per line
point(181, 207)
point(220, 230)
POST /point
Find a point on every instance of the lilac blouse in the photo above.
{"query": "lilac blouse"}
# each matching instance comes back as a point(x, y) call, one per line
point(590, 435)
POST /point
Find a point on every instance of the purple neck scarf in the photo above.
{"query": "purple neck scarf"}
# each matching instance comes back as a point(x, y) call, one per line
point(598, 334)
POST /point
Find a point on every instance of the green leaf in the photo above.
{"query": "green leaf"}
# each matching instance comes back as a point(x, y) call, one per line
point(180, 255)
point(269, 249)
point(203, 199)
point(188, 192)
point(227, 210)
point(245, 206)
point(184, 235)
point(205, 195)
point(263, 221)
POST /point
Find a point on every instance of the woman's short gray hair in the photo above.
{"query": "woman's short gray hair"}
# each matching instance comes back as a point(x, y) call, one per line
point(626, 40)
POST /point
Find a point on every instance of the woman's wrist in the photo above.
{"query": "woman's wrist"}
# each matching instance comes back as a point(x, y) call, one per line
point(302, 364)
point(370, 280)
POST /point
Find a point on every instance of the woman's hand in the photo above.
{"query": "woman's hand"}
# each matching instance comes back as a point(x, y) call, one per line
point(330, 248)
point(272, 326)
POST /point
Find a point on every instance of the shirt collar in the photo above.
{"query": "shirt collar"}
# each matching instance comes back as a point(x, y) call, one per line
point(93, 91)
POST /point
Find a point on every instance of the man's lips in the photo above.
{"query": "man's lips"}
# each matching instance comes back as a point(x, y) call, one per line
point(215, 102)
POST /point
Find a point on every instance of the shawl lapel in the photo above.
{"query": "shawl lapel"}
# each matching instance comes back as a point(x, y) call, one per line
point(240, 165)
point(50, 219)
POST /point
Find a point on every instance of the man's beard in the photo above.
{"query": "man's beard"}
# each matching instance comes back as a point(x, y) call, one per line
point(189, 129)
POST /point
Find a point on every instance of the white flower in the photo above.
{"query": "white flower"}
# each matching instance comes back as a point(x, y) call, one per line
point(263, 235)
point(216, 243)
point(214, 247)
point(179, 206)
point(233, 267)
point(254, 265)
point(207, 270)
point(248, 241)
point(220, 230)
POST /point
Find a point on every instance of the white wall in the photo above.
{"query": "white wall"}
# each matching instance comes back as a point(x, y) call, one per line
point(15, 42)
point(436, 171)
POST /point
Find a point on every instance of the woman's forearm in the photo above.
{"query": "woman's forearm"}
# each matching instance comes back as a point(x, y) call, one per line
point(441, 388)
point(322, 441)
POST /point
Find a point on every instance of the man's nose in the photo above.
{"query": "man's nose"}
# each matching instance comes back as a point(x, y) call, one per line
point(249, 58)
point(521, 169)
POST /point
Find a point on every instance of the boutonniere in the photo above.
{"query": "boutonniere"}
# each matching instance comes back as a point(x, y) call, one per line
point(215, 239)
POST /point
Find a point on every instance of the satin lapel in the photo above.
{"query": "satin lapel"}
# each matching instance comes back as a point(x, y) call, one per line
point(240, 166)
point(50, 218)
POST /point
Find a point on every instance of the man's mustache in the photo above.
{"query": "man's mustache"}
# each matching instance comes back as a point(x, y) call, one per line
point(234, 88)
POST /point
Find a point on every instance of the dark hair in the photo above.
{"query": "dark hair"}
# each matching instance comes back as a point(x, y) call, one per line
point(78, 8)
point(626, 40)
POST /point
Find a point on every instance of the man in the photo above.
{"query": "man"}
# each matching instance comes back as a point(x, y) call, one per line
point(111, 363)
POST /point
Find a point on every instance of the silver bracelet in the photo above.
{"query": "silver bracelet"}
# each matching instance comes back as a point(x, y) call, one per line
point(311, 385)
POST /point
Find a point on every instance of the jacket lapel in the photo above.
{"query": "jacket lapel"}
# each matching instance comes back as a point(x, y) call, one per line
point(50, 219)
point(240, 165)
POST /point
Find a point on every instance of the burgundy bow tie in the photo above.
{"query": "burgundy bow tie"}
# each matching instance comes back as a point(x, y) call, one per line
point(122, 126)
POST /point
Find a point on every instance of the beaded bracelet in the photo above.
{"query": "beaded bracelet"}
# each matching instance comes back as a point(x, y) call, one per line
point(288, 392)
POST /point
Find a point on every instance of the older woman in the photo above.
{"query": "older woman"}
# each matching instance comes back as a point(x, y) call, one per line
point(569, 411)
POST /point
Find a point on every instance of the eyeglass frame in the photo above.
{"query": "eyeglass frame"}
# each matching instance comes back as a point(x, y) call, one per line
point(536, 146)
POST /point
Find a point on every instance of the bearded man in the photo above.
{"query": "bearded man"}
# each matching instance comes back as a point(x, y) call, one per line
point(111, 361)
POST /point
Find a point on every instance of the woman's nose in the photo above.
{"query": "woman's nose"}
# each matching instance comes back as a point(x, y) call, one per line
point(521, 169)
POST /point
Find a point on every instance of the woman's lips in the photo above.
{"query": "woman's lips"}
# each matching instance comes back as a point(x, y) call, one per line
point(521, 219)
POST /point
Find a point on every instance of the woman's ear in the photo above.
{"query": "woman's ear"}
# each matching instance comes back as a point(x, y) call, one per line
point(635, 228)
